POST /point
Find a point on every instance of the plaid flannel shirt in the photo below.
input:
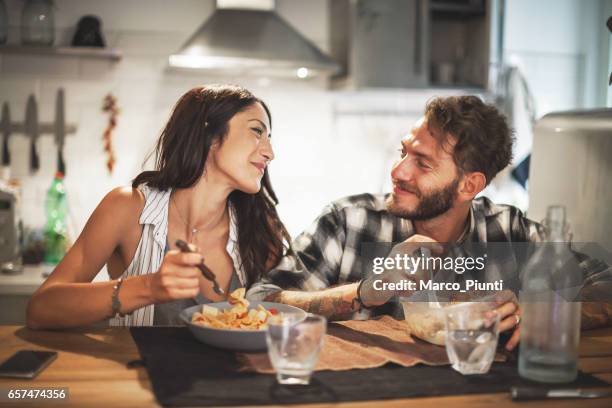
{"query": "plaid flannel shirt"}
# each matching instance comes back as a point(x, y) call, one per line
point(330, 252)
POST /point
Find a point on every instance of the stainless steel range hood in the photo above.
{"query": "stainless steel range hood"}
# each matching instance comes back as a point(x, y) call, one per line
point(252, 41)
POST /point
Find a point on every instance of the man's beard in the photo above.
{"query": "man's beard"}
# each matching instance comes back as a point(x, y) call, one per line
point(430, 205)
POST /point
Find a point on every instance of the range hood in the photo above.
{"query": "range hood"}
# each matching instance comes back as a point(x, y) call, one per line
point(255, 41)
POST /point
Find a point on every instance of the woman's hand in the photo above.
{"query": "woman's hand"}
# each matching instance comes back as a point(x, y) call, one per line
point(177, 278)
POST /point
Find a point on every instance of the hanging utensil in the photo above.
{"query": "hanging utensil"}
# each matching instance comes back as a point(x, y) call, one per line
point(609, 24)
point(60, 130)
point(5, 128)
point(31, 129)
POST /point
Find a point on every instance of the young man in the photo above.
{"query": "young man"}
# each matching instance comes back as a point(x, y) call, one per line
point(449, 157)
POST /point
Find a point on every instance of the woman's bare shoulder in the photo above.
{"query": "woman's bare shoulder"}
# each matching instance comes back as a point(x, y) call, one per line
point(121, 204)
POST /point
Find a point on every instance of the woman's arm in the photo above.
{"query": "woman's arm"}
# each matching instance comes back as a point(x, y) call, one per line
point(68, 298)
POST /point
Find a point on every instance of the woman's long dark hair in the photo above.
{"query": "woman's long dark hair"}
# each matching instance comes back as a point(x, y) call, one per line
point(199, 119)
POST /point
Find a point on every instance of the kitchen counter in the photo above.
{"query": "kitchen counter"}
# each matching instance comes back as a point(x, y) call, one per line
point(92, 364)
point(24, 283)
point(16, 290)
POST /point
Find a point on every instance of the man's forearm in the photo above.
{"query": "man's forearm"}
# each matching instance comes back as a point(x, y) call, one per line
point(333, 303)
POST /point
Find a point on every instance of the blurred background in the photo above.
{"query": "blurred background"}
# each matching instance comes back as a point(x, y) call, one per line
point(344, 79)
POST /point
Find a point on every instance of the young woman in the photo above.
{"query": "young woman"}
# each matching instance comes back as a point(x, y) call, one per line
point(210, 188)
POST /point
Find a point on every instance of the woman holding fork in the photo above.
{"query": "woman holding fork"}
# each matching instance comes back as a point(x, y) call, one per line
point(210, 188)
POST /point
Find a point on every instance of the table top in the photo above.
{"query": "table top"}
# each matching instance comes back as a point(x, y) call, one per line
point(92, 364)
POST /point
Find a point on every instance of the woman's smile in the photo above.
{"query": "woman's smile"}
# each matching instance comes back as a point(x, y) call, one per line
point(261, 167)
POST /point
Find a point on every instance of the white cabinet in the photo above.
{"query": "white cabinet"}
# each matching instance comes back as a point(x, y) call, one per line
point(413, 43)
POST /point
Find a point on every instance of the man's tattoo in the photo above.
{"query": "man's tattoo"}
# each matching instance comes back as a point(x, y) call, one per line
point(329, 304)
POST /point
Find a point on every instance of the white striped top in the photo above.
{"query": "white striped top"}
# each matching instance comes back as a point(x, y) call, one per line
point(150, 251)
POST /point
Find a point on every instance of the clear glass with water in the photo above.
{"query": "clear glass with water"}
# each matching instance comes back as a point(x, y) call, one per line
point(471, 338)
point(294, 344)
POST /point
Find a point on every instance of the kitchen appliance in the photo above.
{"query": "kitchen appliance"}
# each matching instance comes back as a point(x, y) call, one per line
point(10, 227)
point(250, 37)
point(571, 166)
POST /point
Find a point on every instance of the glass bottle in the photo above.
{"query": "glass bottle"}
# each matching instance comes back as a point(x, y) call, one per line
point(550, 325)
point(56, 208)
point(37, 23)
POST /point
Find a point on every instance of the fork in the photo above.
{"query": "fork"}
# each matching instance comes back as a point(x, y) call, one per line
point(208, 274)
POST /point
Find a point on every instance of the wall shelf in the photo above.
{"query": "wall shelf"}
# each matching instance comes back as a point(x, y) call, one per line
point(85, 52)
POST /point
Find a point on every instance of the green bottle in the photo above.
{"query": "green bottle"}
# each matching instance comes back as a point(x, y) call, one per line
point(56, 208)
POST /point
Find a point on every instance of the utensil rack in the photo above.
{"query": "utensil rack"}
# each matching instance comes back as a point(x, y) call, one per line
point(45, 128)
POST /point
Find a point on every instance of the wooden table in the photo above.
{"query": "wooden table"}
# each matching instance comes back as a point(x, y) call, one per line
point(92, 364)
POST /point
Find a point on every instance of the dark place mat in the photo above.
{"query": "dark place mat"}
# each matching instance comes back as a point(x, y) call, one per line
point(185, 372)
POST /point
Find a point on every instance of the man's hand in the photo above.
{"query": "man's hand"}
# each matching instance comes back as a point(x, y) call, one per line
point(508, 309)
point(373, 297)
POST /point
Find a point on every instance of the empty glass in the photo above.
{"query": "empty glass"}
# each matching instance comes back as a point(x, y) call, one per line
point(471, 338)
point(294, 344)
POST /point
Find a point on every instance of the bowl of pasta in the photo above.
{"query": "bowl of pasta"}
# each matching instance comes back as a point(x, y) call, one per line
point(238, 324)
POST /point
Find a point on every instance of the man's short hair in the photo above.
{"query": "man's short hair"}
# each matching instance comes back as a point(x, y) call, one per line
point(483, 140)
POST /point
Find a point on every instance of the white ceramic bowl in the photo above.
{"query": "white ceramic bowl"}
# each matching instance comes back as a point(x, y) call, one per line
point(234, 339)
point(426, 320)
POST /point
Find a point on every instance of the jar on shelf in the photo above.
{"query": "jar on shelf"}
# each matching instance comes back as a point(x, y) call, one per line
point(37, 23)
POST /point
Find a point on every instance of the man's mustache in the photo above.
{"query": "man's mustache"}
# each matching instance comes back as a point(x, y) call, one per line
point(407, 187)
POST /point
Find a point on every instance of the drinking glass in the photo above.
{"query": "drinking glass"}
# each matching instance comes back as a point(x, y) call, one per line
point(471, 338)
point(294, 343)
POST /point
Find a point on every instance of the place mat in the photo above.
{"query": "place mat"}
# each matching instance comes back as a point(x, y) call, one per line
point(184, 372)
point(363, 344)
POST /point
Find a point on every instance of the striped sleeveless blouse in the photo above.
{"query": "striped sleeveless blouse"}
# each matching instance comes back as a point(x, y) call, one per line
point(150, 251)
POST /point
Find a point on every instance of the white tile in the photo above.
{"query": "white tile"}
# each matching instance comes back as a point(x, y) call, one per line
point(86, 94)
point(97, 69)
point(139, 68)
point(150, 42)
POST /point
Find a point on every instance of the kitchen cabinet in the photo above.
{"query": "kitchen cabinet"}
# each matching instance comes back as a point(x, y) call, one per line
point(380, 43)
point(16, 290)
point(459, 43)
point(414, 43)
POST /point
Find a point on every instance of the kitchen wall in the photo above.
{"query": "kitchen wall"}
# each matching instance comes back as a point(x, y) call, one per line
point(327, 144)
point(562, 46)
